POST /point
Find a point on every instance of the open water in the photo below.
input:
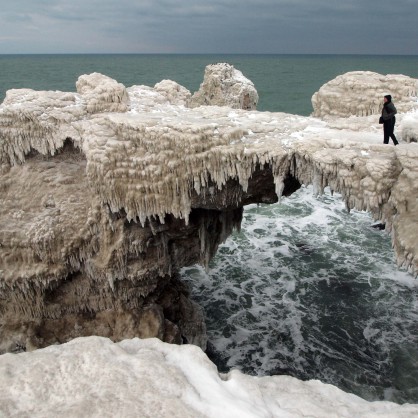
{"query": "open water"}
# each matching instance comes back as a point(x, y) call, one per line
point(305, 288)
point(285, 83)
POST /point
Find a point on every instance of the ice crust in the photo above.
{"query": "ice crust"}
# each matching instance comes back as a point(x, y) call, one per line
point(148, 160)
point(148, 378)
point(360, 93)
point(224, 85)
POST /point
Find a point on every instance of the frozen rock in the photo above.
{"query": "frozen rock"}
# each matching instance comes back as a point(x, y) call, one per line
point(102, 93)
point(147, 378)
point(409, 127)
point(37, 121)
point(223, 85)
point(164, 93)
point(100, 211)
point(174, 92)
point(360, 93)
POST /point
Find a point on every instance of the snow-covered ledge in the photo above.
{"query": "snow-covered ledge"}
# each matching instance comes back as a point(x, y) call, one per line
point(148, 378)
point(108, 192)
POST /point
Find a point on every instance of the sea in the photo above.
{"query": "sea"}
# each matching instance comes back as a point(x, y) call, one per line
point(305, 288)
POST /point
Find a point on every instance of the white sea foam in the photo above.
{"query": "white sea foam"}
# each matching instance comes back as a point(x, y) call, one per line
point(310, 290)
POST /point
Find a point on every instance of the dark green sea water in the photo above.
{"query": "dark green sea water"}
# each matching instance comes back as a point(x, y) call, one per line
point(284, 83)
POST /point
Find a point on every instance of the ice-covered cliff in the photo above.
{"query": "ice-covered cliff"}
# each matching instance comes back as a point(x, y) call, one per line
point(147, 378)
point(108, 192)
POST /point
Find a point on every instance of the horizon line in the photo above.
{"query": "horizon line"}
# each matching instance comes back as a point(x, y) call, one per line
point(208, 53)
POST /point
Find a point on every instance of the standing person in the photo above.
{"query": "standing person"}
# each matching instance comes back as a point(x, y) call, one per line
point(388, 115)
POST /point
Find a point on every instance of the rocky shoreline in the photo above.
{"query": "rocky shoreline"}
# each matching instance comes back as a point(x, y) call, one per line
point(108, 192)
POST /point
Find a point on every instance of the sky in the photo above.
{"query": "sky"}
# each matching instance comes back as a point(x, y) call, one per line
point(210, 26)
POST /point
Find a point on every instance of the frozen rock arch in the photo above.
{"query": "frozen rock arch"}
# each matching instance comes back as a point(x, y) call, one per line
point(108, 192)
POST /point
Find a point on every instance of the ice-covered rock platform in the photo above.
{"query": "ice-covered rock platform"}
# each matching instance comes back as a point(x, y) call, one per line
point(106, 193)
point(93, 377)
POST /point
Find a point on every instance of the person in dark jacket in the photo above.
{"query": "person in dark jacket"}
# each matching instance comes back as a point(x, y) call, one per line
point(388, 114)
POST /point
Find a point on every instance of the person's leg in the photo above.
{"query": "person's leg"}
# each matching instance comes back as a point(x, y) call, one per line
point(395, 141)
point(391, 134)
point(385, 133)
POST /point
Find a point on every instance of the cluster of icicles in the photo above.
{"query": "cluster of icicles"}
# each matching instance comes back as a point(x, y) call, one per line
point(148, 163)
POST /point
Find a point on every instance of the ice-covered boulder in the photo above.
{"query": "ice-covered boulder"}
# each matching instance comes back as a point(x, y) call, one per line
point(165, 92)
point(102, 93)
point(147, 378)
point(360, 93)
point(223, 85)
point(409, 127)
point(37, 121)
point(174, 92)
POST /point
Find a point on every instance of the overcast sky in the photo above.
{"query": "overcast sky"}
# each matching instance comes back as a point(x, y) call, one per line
point(209, 26)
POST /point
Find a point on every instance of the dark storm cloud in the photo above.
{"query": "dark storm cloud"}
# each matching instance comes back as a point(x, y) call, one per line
point(247, 26)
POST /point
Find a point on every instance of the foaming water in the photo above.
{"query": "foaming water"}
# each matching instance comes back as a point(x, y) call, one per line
point(312, 291)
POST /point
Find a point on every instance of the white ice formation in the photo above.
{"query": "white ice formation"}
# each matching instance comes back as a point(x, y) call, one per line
point(107, 192)
point(360, 93)
point(93, 377)
point(224, 85)
point(409, 127)
point(102, 94)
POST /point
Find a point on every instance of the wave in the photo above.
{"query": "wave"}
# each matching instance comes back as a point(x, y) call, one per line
point(309, 290)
